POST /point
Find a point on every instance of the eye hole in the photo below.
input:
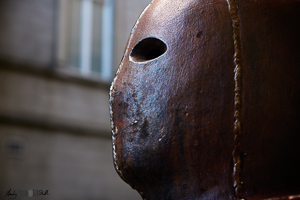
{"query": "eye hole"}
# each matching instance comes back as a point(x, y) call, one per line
point(148, 49)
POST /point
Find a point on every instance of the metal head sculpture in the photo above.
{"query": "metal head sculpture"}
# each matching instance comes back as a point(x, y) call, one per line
point(205, 104)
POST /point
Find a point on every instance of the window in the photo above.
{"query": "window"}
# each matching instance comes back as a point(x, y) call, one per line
point(88, 30)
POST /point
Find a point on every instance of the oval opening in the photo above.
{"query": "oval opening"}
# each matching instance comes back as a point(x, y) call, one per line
point(148, 49)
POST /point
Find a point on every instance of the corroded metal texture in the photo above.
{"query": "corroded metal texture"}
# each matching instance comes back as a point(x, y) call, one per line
point(205, 104)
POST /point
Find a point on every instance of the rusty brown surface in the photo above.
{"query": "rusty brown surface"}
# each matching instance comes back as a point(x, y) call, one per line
point(173, 101)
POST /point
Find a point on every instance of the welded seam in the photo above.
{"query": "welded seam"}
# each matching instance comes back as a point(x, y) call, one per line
point(113, 88)
point(236, 154)
point(114, 131)
point(284, 197)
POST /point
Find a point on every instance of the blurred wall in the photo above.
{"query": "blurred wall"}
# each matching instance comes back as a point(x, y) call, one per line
point(54, 121)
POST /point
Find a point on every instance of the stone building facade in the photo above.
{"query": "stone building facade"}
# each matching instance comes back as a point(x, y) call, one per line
point(57, 59)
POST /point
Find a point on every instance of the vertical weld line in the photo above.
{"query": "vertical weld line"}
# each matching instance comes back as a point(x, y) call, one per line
point(114, 130)
point(236, 154)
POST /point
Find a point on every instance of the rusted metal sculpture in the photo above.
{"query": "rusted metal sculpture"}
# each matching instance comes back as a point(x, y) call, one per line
point(205, 104)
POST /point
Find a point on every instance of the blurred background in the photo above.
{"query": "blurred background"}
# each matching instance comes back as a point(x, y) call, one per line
point(57, 60)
